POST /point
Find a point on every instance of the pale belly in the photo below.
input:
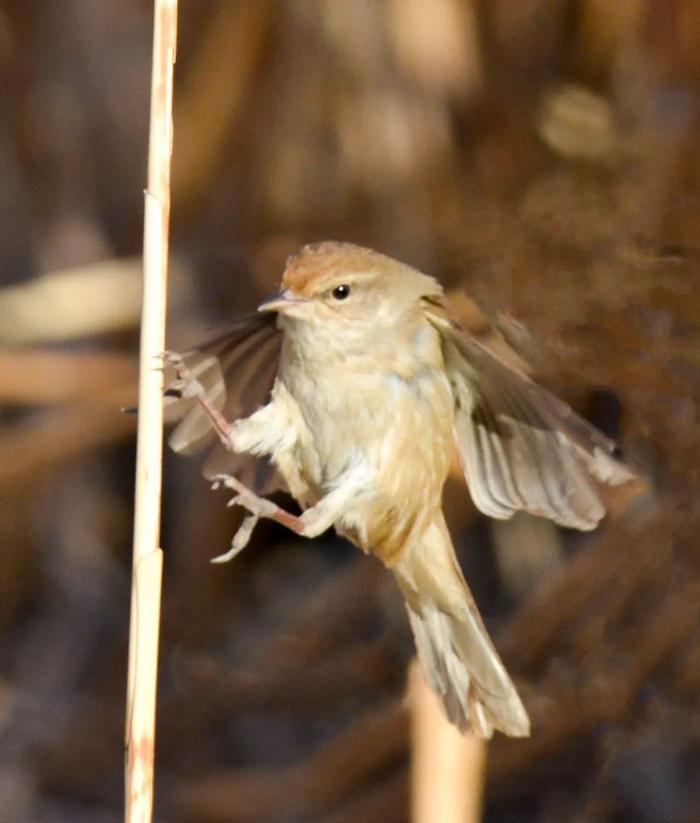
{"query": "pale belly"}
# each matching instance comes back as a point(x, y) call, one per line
point(395, 434)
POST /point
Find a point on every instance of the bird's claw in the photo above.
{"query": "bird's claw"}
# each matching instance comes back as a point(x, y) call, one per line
point(240, 540)
point(185, 384)
point(257, 506)
point(171, 358)
point(226, 481)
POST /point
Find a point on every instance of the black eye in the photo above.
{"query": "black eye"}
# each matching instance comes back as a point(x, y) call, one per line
point(341, 292)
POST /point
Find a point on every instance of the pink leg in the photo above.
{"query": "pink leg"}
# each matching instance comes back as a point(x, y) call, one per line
point(189, 386)
point(257, 506)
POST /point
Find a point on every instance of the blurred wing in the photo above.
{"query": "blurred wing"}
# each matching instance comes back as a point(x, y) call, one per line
point(237, 371)
point(522, 449)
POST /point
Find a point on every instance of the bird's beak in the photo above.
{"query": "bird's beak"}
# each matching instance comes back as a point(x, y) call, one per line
point(282, 301)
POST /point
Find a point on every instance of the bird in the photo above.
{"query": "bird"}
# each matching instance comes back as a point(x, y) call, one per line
point(352, 388)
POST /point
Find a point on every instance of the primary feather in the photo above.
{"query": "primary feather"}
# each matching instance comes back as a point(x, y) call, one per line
point(237, 370)
point(522, 449)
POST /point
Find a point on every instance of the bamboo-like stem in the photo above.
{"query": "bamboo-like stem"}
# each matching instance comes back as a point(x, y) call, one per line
point(447, 768)
point(147, 555)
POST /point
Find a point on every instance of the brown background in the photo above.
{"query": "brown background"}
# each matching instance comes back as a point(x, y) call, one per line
point(543, 155)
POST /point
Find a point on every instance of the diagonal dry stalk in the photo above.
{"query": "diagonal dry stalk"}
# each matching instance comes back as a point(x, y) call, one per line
point(147, 555)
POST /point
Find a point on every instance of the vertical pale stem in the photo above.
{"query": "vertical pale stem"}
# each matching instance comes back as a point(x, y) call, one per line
point(147, 556)
point(447, 768)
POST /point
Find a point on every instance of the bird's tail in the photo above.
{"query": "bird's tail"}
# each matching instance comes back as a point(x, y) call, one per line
point(455, 651)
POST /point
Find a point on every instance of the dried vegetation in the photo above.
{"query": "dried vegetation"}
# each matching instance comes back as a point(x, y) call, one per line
point(543, 156)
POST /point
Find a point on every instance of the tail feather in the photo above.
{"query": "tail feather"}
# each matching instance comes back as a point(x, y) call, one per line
point(456, 653)
point(469, 678)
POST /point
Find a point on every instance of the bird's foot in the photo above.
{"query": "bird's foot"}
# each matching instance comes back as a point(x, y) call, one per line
point(257, 506)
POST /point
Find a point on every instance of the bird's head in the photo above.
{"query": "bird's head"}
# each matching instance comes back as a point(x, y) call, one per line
point(342, 286)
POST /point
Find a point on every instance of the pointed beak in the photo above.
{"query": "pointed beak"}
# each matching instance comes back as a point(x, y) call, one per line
point(281, 301)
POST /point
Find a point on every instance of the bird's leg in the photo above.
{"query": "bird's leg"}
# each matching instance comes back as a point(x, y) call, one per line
point(257, 506)
point(311, 523)
point(315, 520)
point(187, 385)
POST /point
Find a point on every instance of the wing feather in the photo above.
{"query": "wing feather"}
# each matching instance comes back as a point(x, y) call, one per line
point(237, 370)
point(521, 447)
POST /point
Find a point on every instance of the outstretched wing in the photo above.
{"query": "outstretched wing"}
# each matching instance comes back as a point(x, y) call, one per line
point(237, 370)
point(521, 448)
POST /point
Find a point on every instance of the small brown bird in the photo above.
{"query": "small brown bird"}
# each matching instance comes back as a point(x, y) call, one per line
point(356, 385)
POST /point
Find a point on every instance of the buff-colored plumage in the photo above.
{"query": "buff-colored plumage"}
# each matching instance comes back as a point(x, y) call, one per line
point(370, 390)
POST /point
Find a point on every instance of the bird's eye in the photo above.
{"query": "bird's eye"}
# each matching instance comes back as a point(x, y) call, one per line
point(341, 292)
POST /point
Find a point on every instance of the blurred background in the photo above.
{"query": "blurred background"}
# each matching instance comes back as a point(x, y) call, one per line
point(542, 156)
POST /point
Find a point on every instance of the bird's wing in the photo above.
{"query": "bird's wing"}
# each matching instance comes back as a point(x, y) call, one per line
point(521, 448)
point(237, 370)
